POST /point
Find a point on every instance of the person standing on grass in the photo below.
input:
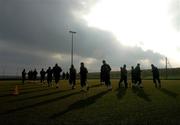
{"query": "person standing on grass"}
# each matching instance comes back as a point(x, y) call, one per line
point(138, 80)
point(56, 73)
point(105, 70)
point(83, 76)
point(49, 76)
point(23, 76)
point(155, 74)
point(42, 73)
point(72, 76)
point(123, 76)
point(133, 75)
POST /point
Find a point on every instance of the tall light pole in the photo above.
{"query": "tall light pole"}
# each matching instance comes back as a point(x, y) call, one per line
point(72, 32)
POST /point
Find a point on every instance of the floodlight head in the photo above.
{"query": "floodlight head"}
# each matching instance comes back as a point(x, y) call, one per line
point(72, 32)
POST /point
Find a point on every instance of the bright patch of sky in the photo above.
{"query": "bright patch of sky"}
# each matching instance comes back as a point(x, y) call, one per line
point(144, 23)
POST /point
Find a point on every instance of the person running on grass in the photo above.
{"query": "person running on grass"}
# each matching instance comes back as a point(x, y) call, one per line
point(123, 76)
point(72, 76)
point(56, 73)
point(63, 76)
point(138, 80)
point(35, 74)
point(49, 76)
point(155, 74)
point(67, 76)
point(23, 76)
point(105, 70)
point(83, 76)
point(42, 73)
point(133, 76)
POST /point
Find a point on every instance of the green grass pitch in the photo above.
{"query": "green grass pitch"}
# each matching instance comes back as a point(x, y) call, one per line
point(50, 106)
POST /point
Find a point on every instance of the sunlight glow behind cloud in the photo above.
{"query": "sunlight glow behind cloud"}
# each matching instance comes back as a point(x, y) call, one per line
point(147, 24)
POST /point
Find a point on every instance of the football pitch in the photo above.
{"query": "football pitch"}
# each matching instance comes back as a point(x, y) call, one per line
point(37, 104)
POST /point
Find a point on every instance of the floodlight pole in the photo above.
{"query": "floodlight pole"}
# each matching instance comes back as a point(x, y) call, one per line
point(72, 32)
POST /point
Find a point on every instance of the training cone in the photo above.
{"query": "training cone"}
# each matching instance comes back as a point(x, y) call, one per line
point(16, 90)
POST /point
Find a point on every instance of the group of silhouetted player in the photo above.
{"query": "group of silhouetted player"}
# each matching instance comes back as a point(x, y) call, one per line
point(32, 75)
point(54, 73)
point(136, 76)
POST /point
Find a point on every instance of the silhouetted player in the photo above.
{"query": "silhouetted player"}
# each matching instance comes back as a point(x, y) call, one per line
point(35, 74)
point(83, 76)
point(102, 77)
point(49, 76)
point(42, 73)
point(133, 75)
point(63, 76)
point(155, 73)
point(67, 76)
point(123, 76)
point(56, 72)
point(72, 76)
point(138, 80)
point(105, 70)
point(30, 75)
point(23, 76)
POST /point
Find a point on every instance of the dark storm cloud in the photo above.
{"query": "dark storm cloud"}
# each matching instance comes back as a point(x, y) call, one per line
point(38, 24)
point(32, 31)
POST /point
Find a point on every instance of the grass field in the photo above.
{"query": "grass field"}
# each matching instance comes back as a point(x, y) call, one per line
point(50, 106)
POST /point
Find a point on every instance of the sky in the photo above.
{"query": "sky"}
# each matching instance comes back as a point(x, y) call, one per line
point(35, 33)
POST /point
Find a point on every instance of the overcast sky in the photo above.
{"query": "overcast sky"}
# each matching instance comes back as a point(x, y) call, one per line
point(35, 33)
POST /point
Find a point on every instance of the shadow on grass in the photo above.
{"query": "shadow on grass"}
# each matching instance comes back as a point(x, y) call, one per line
point(80, 104)
point(39, 103)
point(94, 86)
point(168, 92)
point(121, 92)
point(141, 93)
point(38, 96)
